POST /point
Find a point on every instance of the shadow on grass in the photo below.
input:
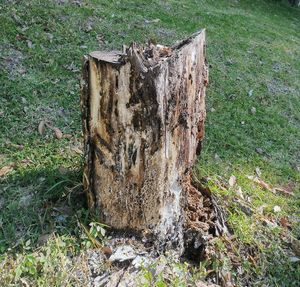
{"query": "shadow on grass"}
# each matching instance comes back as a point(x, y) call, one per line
point(38, 203)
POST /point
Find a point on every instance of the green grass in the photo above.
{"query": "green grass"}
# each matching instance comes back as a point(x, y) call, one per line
point(253, 49)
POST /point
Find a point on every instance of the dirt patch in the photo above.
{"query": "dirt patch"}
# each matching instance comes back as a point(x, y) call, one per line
point(276, 86)
point(11, 61)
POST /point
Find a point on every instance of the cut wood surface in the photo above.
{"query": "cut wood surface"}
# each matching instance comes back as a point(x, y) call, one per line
point(143, 115)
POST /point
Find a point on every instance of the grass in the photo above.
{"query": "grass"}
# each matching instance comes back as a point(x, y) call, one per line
point(253, 121)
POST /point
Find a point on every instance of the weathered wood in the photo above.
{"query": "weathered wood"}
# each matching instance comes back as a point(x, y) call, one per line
point(143, 115)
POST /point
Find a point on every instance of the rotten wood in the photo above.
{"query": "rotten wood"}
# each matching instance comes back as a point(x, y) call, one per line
point(143, 112)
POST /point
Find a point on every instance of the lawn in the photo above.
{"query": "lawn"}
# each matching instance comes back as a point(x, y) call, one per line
point(252, 129)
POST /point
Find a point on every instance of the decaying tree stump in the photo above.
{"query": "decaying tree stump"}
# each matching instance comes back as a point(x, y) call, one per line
point(143, 115)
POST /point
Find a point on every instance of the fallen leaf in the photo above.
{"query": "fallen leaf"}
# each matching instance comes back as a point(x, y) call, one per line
point(107, 250)
point(41, 128)
point(6, 169)
point(261, 183)
point(232, 181)
point(16, 146)
point(67, 136)
point(283, 190)
point(239, 192)
point(58, 133)
point(26, 161)
point(77, 150)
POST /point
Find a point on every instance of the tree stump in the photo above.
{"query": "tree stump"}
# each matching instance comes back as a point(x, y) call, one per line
point(143, 112)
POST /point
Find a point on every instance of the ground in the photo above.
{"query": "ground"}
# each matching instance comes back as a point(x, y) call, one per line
point(252, 143)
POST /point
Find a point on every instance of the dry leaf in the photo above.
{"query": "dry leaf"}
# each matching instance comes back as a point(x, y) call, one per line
point(41, 128)
point(6, 169)
point(26, 161)
point(77, 150)
point(283, 190)
point(58, 133)
point(284, 222)
point(261, 183)
point(67, 136)
point(107, 250)
point(232, 181)
point(239, 192)
point(16, 146)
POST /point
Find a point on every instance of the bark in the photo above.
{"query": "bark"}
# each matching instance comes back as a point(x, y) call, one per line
point(143, 114)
